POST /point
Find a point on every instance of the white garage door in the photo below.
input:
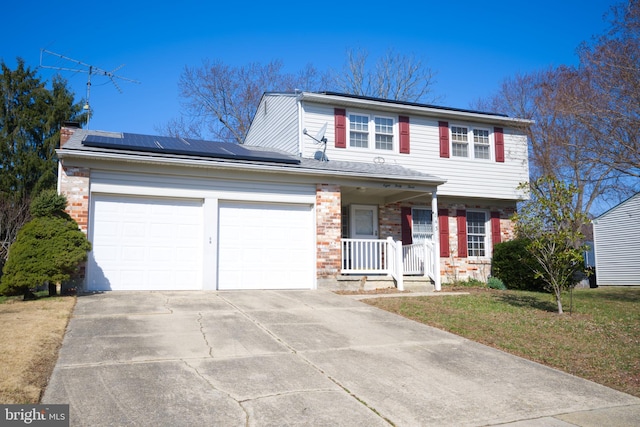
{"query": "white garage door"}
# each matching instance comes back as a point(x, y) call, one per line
point(145, 244)
point(265, 246)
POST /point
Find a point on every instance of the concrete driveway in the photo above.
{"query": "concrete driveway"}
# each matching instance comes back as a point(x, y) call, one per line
point(300, 358)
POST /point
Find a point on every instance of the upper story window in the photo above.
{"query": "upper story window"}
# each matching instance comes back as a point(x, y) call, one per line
point(358, 131)
point(459, 141)
point(462, 137)
point(481, 144)
point(384, 133)
point(360, 135)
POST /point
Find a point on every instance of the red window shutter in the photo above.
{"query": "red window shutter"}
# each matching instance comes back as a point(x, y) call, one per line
point(443, 227)
point(403, 124)
point(462, 233)
point(498, 136)
point(341, 127)
point(407, 237)
point(495, 228)
point(444, 138)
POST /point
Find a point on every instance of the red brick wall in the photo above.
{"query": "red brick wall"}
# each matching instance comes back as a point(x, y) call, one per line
point(74, 183)
point(328, 230)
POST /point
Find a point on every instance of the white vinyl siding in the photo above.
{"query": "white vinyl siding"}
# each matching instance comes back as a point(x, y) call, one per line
point(616, 236)
point(466, 177)
point(275, 124)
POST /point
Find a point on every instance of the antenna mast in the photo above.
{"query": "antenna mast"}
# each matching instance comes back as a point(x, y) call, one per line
point(89, 69)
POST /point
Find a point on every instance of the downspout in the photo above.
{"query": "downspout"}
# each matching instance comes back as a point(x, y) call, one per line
point(436, 239)
point(300, 122)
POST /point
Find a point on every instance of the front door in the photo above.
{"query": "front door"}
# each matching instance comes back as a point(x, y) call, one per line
point(364, 222)
point(366, 252)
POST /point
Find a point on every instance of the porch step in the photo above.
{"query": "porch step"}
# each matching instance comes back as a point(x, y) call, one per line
point(369, 283)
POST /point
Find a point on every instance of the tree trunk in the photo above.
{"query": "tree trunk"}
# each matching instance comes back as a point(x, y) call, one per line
point(559, 301)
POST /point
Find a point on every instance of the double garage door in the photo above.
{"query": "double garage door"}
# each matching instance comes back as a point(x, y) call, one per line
point(160, 244)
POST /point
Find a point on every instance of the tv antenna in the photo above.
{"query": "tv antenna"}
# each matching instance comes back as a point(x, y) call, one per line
point(319, 139)
point(89, 69)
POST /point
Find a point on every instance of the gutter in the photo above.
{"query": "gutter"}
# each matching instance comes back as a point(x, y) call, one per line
point(289, 169)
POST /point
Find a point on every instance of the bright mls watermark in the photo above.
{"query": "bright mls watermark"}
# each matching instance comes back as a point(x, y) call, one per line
point(34, 415)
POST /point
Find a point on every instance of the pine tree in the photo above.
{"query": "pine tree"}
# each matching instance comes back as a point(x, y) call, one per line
point(48, 249)
point(30, 120)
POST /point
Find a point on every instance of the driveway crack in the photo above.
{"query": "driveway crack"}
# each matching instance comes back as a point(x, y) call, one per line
point(204, 335)
point(239, 402)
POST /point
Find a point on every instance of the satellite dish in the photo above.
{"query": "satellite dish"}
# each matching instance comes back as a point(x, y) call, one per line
point(319, 138)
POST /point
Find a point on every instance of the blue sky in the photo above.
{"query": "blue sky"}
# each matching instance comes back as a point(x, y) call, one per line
point(471, 45)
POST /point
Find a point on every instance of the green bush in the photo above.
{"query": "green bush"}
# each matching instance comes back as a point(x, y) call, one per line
point(48, 248)
point(495, 283)
point(513, 264)
point(48, 203)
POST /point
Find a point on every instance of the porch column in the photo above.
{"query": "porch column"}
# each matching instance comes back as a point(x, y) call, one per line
point(436, 239)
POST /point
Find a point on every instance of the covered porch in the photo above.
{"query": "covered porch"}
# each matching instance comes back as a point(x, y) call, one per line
point(386, 230)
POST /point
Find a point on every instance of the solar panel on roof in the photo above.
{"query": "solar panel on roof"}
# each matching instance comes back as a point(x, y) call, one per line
point(191, 147)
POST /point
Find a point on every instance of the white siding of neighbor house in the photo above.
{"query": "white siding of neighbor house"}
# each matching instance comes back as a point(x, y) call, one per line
point(465, 177)
point(616, 236)
point(275, 124)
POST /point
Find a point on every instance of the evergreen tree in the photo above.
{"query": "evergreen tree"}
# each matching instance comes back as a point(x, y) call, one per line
point(30, 120)
point(48, 248)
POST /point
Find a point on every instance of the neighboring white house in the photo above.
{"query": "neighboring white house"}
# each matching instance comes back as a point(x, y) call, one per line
point(173, 213)
point(616, 235)
point(482, 156)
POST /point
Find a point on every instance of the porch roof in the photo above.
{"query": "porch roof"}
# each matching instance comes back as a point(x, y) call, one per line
point(74, 148)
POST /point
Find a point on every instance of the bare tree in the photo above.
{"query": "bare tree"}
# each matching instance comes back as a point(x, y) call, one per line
point(611, 67)
point(220, 100)
point(392, 76)
point(586, 117)
point(14, 213)
point(559, 143)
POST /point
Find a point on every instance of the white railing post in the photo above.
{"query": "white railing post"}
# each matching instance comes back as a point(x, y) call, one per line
point(399, 267)
point(436, 240)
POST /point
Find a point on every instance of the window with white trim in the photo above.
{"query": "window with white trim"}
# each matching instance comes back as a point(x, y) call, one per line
point(360, 136)
point(358, 131)
point(422, 227)
point(462, 137)
point(476, 234)
point(481, 144)
point(459, 141)
point(384, 133)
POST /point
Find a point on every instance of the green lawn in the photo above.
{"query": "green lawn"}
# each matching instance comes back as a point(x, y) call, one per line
point(599, 341)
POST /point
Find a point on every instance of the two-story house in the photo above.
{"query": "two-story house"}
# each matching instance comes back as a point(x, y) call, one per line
point(482, 157)
point(326, 186)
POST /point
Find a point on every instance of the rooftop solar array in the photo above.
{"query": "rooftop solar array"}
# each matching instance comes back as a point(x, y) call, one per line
point(185, 146)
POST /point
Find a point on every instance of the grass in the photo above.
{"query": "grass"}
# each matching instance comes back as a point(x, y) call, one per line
point(599, 341)
point(30, 335)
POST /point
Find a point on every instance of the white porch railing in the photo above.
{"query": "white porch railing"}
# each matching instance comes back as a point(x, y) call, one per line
point(418, 259)
point(376, 256)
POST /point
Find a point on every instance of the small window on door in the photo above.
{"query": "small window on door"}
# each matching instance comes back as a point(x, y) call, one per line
point(422, 229)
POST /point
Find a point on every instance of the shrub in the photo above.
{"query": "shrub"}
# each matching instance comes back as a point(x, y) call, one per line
point(513, 264)
point(495, 283)
point(48, 248)
point(48, 203)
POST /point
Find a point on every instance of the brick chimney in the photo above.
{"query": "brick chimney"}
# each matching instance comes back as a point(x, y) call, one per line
point(67, 130)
